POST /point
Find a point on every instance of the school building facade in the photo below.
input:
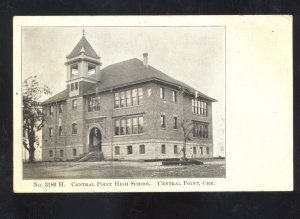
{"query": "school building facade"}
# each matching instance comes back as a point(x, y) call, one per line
point(128, 110)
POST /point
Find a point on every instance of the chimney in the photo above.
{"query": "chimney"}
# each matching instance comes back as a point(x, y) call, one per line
point(145, 59)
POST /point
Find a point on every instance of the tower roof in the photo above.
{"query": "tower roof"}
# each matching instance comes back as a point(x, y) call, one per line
point(83, 46)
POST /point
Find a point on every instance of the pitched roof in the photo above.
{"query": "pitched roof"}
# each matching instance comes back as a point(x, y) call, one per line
point(134, 71)
point(126, 73)
point(63, 95)
point(85, 46)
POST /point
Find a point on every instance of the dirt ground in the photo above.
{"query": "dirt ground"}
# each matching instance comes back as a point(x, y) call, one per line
point(212, 168)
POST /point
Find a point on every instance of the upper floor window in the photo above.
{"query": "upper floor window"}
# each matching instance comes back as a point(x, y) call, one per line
point(162, 93)
point(50, 153)
point(50, 132)
point(174, 122)
point(174, 96)
point(60, 130)
point(199, 107)
point(74, 128)
point(74, 86)
point(74, 71)
point(74, 104)
point(200, 130)
point(51, 110)
point(129, 98)
point(129, 125)
point(91, 69)
point(163, 121)
point(60, 107)
point(93, 104)
point(74, 152)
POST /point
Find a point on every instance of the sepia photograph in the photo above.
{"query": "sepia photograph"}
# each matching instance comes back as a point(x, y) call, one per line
point(152, 104)
point(123, 102)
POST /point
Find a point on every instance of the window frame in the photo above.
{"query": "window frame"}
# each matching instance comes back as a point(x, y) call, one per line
point(50, 153)
point(174, 96)
point(61, 153)
point(162, 93)
point(175, 149)
point(129, 150)
point(142, 149)
point(117, 150)
point(175, 122)
point(163, 149)
point(74, 152)
point(162, 120)
point(74, 128)
point(74, 104)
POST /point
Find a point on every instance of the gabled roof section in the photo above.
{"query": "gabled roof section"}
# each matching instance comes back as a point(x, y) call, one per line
point(83, 46)
point(63, 95)
point(134, 71)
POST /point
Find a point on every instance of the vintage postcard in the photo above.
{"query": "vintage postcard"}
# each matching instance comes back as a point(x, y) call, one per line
point(153, 104)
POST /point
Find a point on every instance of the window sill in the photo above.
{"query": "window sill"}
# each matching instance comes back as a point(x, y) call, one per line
point(126, 107)
point(118, 136)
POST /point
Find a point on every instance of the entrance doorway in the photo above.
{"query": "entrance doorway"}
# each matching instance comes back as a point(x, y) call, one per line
point(95, 140)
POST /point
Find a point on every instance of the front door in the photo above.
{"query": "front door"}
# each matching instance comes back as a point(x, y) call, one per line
point(95, 140)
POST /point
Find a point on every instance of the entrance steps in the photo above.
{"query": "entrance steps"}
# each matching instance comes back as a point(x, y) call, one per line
point(92, 157)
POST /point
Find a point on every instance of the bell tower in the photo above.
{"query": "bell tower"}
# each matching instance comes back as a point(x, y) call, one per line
point(83, 67)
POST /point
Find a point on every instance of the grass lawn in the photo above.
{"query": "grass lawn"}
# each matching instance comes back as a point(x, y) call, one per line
point(212, 168)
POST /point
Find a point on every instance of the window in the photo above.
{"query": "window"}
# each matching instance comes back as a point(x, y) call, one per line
point(129, 149)
point(134, 97)
point(174, 122)
point(207, 150)
point(142, 149)
point(117, 100)
point(50, 153)
point(199, 107)
point(61, 153)
point(74, 152)
point(163, 121)
point(134, 125)
point(74, 86)
point(162, 93)
point(74, 71)
point(50, 132)
point(201, 150)
point(123, 103)
point(117, 127)
point(200, 130)
point(117, 150)
point(140, 96)
point(174, 96)
point(175, 149)
point(163, 149)
point(129, 125)
point(51, 110)
point(141, 124)
point(74, 104)
point(93, 104)
point(60, 129)
point(60, 107)
point(194, 150)
point(74, 128)
point(128, 98)
point(123, 126)
point(91, 69)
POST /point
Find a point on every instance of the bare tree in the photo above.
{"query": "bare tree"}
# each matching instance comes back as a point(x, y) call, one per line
point(33, 116)
point(187, 128)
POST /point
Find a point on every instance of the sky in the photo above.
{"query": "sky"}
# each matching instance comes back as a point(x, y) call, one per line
point(194, 55)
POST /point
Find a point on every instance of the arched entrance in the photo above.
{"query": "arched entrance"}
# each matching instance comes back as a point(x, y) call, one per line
point(95, 140)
